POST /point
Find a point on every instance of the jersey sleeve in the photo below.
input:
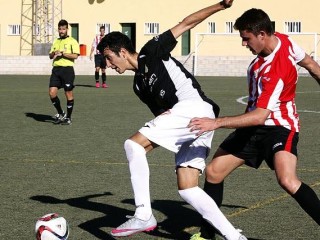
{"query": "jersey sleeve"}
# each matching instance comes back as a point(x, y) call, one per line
point(298, 51)
point(160, 46)
point(75, 47)
point(53, 46)
point(94, 44)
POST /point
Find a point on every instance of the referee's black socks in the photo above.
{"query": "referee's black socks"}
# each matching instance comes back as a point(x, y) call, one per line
point(70, 104)
point(56, 103)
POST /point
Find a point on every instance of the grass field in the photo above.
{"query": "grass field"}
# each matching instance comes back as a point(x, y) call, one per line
point(80, 171)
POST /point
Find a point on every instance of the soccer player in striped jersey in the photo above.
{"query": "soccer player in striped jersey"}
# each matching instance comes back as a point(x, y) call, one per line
point(269, 128)
point(174, 97)
point(99, 62)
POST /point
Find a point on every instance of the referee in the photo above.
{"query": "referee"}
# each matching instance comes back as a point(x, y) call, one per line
point(64, 51)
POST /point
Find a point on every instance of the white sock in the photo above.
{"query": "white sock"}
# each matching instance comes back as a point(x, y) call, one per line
point(209, 210)
point(139, 171)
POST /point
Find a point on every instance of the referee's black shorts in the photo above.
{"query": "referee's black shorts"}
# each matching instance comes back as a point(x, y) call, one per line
point(255, 144)
point(62, 77)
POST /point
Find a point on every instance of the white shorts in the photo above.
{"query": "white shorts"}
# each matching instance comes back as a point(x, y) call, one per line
point(170, 131)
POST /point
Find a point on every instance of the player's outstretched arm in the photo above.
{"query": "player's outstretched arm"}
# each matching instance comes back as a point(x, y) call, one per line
point(253, 118)
point(195, 18)
point(312, 66)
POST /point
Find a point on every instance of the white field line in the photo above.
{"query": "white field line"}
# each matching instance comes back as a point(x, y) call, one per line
point(242, 100)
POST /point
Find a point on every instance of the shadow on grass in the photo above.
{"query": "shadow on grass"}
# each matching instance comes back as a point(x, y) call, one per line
point(179, 217)
point(40, 117)
point(84, 85)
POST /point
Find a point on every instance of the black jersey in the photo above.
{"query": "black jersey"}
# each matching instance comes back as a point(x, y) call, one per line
point(161, 81)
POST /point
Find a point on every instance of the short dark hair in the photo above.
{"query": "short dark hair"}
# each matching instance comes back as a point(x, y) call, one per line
point(254, 20)
point(115, 41)
point(102, 27)
point(63, 22)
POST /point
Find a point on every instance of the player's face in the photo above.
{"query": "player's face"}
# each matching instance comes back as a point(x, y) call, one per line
point(102, 31)
point(114, 61)
point(63, 31)
point(254, 43)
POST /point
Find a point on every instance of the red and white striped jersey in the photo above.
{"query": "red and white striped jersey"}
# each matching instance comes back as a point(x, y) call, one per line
point(272, 83)
point(95, 43)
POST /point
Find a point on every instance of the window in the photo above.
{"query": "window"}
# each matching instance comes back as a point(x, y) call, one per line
point(106, 27)
point(151, 28)
point(292, 27)
point(50, 29)
point(14, 29)
point(211, 27)
point(229, 27)
point(36, 29)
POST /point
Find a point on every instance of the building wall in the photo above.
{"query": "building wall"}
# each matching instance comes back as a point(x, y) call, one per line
point(87, 13)
point(206, 66)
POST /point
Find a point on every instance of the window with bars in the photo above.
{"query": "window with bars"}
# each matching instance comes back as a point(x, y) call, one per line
point(14, 30)
point(229, 27)
point(292, 27)
point(47, 30)
point(151, 28)
point(211, 27)
point(36, 29)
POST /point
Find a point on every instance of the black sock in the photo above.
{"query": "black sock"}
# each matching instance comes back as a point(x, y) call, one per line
point(215, 191)
point(56, 103)
point(104, 77)
point(309, 201)
point(96, 76)
point(70, 104)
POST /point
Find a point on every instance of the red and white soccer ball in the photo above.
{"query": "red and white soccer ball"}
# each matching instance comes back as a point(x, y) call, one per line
point(52, 227)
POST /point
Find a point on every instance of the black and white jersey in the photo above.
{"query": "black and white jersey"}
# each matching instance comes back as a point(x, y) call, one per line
point(161, 81)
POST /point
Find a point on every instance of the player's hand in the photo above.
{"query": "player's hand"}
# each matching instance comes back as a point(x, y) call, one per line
point(227, 3)
point(57, 54)
point(202, 125)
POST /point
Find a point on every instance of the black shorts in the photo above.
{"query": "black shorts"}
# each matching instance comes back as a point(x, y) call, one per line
point(62, 77)
point(255, 144)
point(100, 61)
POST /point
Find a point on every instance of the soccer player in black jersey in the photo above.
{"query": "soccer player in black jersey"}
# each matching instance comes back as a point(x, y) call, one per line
point(174, 97)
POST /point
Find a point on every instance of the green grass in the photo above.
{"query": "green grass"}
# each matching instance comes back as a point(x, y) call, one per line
point(80, 171)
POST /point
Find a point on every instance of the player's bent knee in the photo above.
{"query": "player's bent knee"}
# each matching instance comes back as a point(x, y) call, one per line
point(133, 149)
point(188, 194)
point(53, 93)
point(214, 176)
point(68, 87)
point(289, 185)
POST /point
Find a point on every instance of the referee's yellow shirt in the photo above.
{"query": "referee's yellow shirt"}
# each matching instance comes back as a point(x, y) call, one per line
point(66, 45)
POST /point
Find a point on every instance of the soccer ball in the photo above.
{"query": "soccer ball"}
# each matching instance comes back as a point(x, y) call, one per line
point(52, 227)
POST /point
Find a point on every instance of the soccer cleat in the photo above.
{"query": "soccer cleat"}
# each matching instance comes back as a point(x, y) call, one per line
point(104, 85)
point(58, 118)
point(197, 236)
point(66, 121)
point(134, 225)
point(97, 84)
